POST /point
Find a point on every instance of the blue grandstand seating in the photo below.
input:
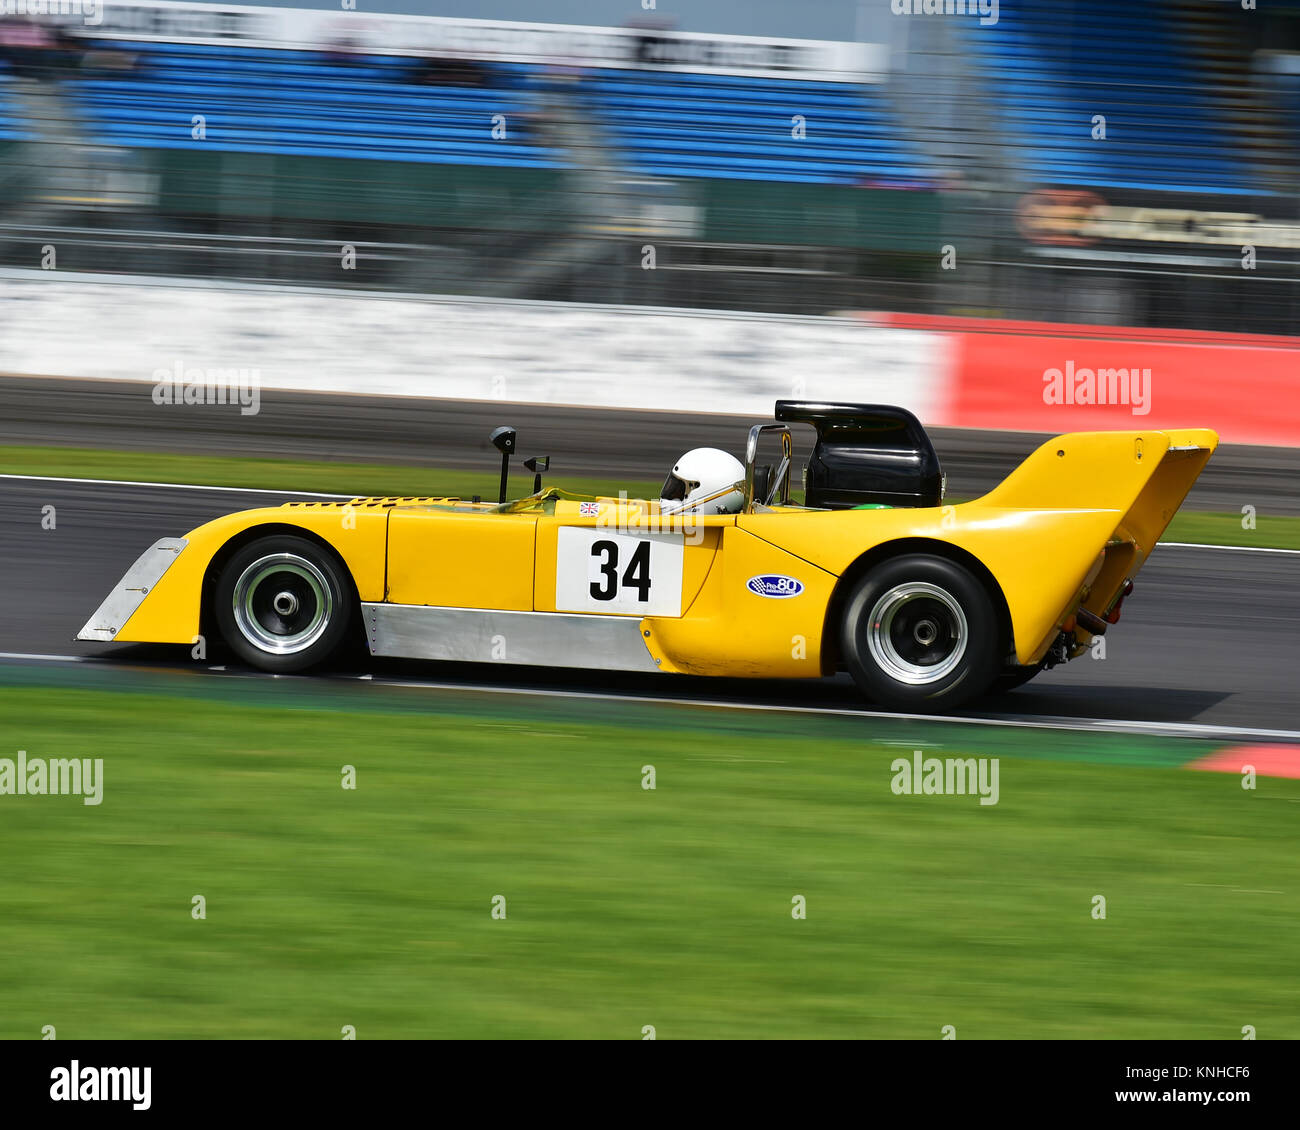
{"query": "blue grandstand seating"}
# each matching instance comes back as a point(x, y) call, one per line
point(738, 127)
point(297, 102)
point(294, 102)
point(10, 126)
point(1048, 79)
point(1050, 69)
point(1286, 92)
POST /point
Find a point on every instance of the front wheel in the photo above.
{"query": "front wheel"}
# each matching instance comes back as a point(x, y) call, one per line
point(283, 603)
point(920, 632)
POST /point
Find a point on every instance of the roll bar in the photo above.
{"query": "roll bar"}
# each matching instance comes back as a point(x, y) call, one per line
point(781, 480)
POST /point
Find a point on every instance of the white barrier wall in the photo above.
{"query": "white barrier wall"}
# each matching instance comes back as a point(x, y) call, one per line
point(252, 25)
point(332, 341)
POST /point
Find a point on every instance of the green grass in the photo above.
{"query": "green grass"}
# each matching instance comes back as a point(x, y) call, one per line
point(379, 479)
point(289, 474)
point(1271, 532)
point(625, 907)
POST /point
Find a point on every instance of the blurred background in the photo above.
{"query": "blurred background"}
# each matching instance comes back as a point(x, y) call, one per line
point(1101, 162)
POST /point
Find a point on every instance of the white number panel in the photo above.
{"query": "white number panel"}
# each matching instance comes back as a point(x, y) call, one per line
point(598, 570)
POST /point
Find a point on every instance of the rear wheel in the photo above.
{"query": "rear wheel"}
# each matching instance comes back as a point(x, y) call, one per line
point(920, 632)
point(283, 603)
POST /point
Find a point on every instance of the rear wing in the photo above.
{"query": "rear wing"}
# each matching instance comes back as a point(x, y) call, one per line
point(1143, 477)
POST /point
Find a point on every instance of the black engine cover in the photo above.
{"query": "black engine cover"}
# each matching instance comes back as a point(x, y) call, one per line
point(866, 453)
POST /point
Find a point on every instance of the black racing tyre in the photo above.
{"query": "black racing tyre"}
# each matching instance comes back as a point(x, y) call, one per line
point(283, 603)
point(921, 633)
point(1010, 680)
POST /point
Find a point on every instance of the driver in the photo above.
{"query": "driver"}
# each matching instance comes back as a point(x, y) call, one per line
point(704, 481)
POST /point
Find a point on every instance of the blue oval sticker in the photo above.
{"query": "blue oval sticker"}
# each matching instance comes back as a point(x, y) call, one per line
point(774, 584)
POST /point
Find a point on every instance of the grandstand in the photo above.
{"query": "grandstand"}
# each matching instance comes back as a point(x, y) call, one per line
point(11, 128)
point(809, 190)
point(1163, 131)
point(1285, 85)
point(302, 103)
point(377, 107)
point(737, 127)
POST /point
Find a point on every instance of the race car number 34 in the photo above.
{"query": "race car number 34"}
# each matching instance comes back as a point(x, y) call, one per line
point(598, 570)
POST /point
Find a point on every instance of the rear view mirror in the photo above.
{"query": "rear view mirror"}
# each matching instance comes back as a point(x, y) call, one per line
point(503, 439)
point(537, 464)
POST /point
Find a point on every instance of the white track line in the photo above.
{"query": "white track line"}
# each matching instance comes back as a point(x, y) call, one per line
point(1102, 725)
point(50, 658)
point(320, 494)
point(1243, 548)
point(173, 486)
point(1099, 725)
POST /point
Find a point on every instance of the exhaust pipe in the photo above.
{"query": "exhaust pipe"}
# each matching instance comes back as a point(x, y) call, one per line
point(1096, 625)
point(1090, 622)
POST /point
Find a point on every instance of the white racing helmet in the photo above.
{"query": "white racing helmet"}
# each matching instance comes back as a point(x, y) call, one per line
point(704, 481)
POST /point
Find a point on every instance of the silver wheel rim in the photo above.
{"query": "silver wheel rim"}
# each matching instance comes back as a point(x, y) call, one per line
point(282, 603)
point(917, 633)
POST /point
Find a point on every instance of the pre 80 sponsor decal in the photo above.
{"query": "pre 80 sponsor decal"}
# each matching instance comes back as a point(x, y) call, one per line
point(776, 585)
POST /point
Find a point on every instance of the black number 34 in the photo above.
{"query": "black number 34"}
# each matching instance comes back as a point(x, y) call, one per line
point(635, 576)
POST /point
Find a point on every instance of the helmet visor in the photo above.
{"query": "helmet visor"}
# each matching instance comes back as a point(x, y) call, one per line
point(675, 489)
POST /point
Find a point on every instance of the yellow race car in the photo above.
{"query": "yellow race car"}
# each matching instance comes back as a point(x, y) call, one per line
point(927, 605)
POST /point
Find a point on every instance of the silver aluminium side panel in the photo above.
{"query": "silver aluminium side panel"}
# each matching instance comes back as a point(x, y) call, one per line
point(130, 591)
point(539, 639)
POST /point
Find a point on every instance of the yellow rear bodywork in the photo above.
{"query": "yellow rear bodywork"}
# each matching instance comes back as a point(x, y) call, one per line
point(1080, 501)
point(1067, 529)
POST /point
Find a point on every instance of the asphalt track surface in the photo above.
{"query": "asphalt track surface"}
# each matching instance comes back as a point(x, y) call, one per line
point(1210, 637)
point(589, 442)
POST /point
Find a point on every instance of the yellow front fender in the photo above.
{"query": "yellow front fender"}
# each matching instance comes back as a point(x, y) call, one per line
point(170, 612)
